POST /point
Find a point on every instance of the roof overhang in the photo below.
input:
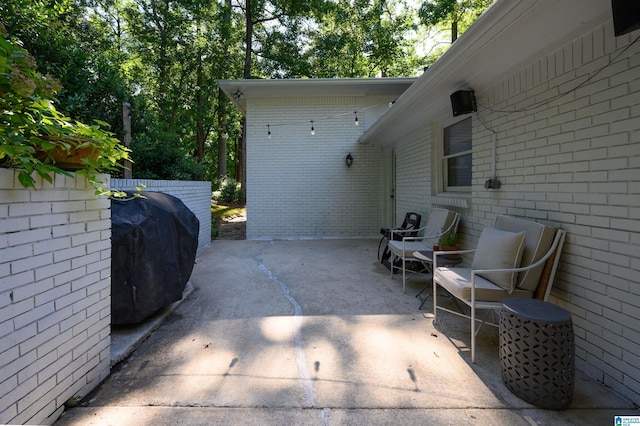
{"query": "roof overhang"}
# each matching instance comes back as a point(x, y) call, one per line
point(506, 37)
point(239, 90)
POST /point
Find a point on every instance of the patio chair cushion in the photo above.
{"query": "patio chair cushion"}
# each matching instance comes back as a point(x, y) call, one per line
point(439, 221)
point(457, 281)
point(499, 249)
point(537, 242)
point(409, 248)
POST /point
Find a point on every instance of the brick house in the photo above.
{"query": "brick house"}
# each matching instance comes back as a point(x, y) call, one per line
point(557, 123)
point(288, 166)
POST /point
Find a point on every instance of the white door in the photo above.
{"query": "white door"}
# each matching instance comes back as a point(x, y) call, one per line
point(392, 197)
point(388, 213)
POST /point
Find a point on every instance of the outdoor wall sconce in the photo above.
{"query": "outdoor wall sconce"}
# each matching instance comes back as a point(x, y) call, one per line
point(349, 160)
point(492, 184)
point(238, 95)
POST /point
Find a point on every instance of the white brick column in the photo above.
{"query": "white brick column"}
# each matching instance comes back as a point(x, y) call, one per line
point(55, 284)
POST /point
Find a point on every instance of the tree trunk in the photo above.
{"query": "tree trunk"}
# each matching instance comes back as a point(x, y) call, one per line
point(200, 143)
point(222, 133)
point(241, 164)
point(247, 74)
point(222, 99)
point(454, 30)
point(248, 40)
point(126, 124)
point(200, 134)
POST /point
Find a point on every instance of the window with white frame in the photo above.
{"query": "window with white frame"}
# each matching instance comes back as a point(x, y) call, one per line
point(456, 157)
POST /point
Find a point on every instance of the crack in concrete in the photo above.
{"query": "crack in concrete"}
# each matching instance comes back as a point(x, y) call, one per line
point(309, 398)
point(324, 416)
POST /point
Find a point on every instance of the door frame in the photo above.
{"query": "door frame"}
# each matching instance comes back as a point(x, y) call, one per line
point(389, 184)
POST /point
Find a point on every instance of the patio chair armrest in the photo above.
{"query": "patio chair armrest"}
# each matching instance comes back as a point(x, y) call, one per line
point(419, 238)
point(429, 237)
point(520, 269)
point(441, 252)
point(439, 234)
point(405, 231)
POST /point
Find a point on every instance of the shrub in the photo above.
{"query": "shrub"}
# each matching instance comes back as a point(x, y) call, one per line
point(230, 191)
point(33, 131)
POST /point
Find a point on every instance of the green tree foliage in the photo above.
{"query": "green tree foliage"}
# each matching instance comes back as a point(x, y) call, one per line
point(364, 39)
point(163, 57)
point(326, 38)
point(316, 39)
point(68, 47)
point(33, 133)
point(159, 155)
point(458, 14)
point(176, 53)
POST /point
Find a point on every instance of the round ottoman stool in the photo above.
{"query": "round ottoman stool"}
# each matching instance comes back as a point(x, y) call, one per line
point(537, 353)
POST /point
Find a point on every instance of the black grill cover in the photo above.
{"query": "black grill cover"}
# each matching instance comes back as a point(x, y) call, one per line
point(153, 250)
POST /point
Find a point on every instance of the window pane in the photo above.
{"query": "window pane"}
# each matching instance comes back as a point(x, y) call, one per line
point(457, 138)
point(459, 171)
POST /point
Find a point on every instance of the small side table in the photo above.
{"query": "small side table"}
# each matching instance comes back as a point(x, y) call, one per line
point(426, 257)
point(537, 352)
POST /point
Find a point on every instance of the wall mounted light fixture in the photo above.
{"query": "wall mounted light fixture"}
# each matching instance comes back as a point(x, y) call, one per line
point(238, 95)
point(349, 160)
point(313, 131)
point(356, 122)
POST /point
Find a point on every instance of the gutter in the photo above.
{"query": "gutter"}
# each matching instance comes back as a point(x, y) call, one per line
point(434, 74)
point(509, 34)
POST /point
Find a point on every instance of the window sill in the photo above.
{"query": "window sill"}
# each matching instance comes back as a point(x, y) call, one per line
point(449, 200)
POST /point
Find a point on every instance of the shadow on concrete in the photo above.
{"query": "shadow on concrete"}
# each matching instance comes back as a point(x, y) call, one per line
point(317, 332)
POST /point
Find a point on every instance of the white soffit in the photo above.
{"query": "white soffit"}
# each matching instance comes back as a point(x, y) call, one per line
point(506, 37)
point(239, 90)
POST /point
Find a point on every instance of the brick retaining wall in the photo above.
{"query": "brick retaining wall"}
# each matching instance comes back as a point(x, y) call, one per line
point(195, 195)
point(55, 287)
point(55, 313)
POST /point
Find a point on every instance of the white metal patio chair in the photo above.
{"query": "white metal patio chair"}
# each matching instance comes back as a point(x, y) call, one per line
point(514, 258)
point(440, 222)
point(410, 228)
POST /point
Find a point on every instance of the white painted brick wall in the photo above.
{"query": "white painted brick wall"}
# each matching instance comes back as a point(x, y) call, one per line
point(194, 194)
point(583, 153)
point(573, 162)
point(298, 185)
point(55, 260)
point(413, 175)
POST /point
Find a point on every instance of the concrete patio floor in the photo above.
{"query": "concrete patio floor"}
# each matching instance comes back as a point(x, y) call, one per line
point(316, 333)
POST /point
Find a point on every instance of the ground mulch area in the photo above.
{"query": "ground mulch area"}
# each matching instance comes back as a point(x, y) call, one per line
point(232, 227)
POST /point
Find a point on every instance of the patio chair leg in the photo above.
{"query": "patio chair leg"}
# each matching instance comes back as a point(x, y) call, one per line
point(404, 271)
point(392, 265)
point(422, 291)
point(473, 335)
point(483, 320)
point(423, 302)
point(426, 286)
point(435, 299)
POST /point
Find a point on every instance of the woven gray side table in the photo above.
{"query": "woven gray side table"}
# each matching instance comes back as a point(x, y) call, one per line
point(537, 352)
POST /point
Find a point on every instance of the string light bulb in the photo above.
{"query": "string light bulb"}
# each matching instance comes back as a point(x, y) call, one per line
point(313, 131)
point(268, 131)
point(356, 122)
